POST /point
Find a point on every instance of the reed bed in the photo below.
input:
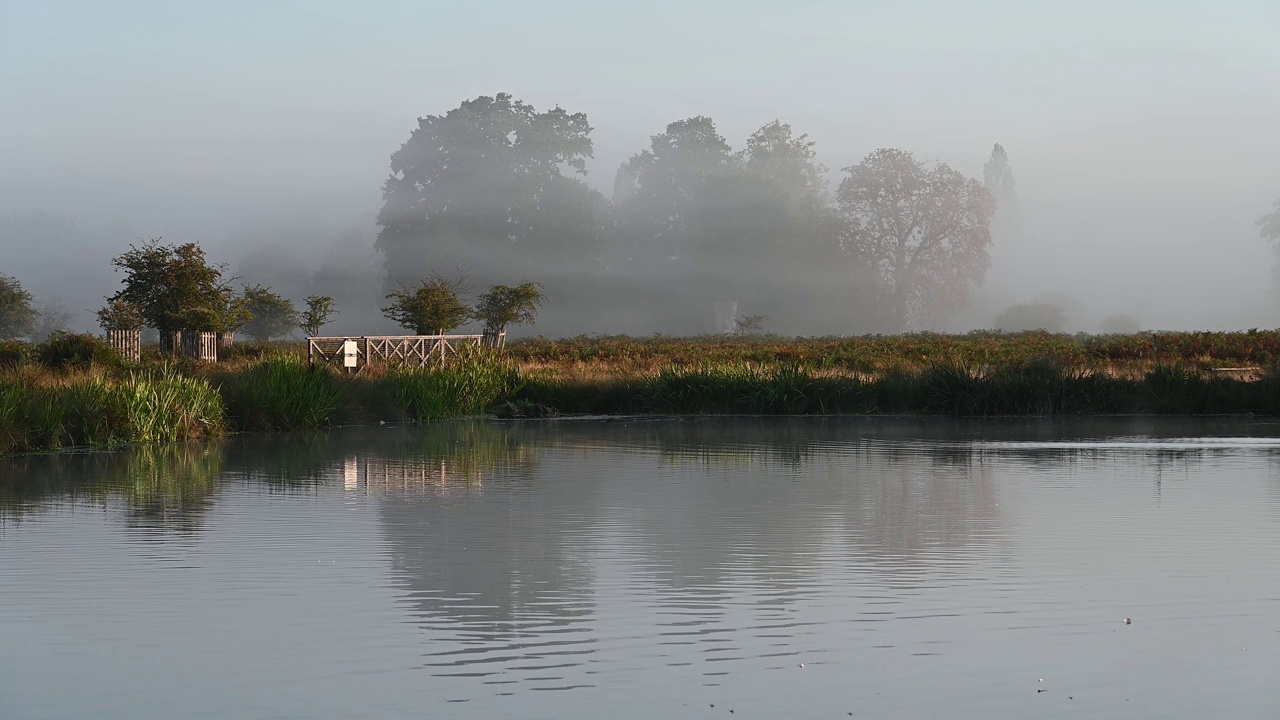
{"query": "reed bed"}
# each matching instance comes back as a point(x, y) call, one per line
point(41, 411)
point(66, 395)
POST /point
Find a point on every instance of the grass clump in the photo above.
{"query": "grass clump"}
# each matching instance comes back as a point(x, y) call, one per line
point(281, 392)
point(42, 412)
point(470, 386)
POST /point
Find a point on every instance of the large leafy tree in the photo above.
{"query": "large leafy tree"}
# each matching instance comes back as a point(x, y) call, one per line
point(273, 314)
point(175, 288)
point(752, 226)
point(17, 316)
point(484, 188)
point(925, 231)
point(664, 195)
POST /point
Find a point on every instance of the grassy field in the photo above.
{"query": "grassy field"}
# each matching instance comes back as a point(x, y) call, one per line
point(74, 392)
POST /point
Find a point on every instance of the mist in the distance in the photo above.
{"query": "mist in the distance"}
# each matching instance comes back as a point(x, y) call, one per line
point(1140, 141)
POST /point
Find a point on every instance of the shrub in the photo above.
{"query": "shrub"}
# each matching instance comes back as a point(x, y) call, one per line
point(15, 352)
point(74, 350)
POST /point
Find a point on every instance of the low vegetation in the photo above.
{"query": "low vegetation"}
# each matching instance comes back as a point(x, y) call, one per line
point(72, 391)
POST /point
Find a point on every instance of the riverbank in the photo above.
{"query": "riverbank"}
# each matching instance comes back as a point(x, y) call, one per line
point(78, 395)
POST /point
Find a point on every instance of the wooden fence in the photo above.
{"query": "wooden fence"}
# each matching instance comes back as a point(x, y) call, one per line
point(419, 350)
point(200, 346)
point(126, 342)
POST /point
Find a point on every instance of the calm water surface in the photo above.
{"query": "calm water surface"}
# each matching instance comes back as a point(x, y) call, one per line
point(772, 568)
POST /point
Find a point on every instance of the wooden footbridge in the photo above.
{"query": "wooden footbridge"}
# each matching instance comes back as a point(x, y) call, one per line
point(354, 353)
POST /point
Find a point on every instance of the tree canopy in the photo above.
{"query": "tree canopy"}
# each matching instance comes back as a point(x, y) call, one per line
point(120, 314)
point(272, 314)
point(175, 288)
point(17, 316)
point(483, 187)
point(319, 310)
point(720, 225)
point(433, 307)
point(925, 232)
point(504, 305)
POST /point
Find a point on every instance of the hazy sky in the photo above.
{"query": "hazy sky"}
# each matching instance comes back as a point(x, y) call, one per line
point(1145, 136)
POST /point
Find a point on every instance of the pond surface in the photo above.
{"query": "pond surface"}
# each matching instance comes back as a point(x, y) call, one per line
point(768, 568)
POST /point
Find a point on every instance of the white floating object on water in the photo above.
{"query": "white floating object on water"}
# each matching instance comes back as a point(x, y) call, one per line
point(1127, 621)
point(801, 664)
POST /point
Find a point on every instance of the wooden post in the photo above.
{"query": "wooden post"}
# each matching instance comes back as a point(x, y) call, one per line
point(171, 342)
point(225, 341)
point(201, 346)
point(126, 342)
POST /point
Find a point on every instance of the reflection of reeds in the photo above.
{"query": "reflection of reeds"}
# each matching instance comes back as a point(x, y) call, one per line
point(168, 485)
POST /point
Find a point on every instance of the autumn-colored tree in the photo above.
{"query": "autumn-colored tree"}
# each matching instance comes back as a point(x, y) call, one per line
point(925, 230)
point(433, 307)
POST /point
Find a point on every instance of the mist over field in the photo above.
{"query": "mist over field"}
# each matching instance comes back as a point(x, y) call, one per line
point(1140, 136)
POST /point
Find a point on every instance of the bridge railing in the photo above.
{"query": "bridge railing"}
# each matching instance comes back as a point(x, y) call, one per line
point(413, 350)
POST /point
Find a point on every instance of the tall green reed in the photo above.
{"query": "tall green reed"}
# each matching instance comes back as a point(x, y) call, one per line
point(468, 385)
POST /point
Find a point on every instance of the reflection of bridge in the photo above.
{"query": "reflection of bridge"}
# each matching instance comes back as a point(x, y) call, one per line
point(376, 475)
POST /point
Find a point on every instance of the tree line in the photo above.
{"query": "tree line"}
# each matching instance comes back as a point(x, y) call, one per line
point(495, 185)
point(173, 288)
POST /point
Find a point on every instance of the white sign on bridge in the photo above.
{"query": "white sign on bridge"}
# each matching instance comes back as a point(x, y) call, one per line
point(350, 354)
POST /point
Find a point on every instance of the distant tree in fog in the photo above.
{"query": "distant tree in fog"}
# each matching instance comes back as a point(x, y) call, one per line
point(483, 187)
point(53, 317)
point(1031, 316)
point(727, 226)
point(432, 307)
point(1270, 230)
point(1120, 324)
point(17, 316)
point(319, 310)
point(504, 305)
point(925, 231)
point(664, 193)
point(273, 314)
point(997, 178)
point(1270, 224)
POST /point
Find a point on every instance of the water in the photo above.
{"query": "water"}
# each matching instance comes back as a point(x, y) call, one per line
point(774, 568)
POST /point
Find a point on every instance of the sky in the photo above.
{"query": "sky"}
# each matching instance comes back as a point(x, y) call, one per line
point(1143, 134)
